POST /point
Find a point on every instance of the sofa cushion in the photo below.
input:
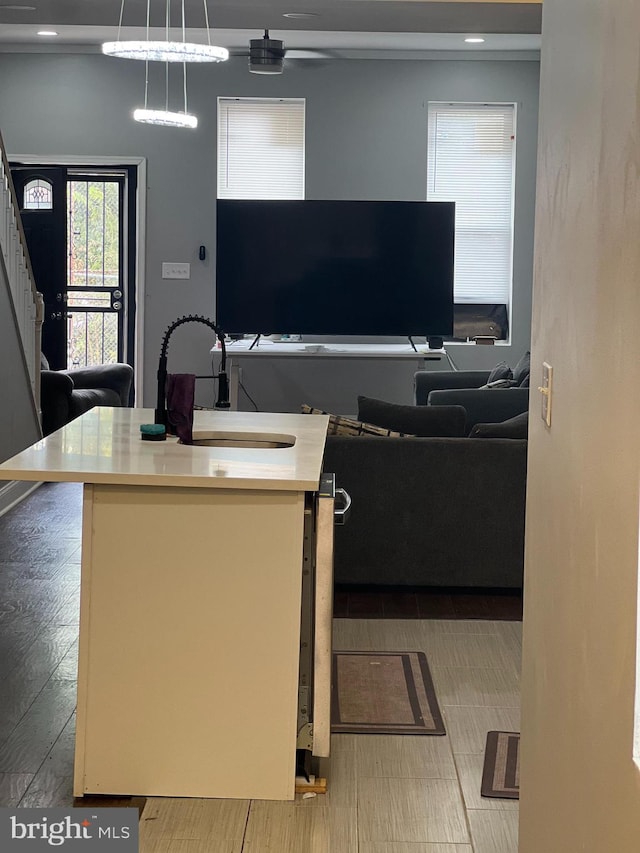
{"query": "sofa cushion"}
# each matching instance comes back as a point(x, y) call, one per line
point(522, 369)
point(423, 421)
point(340, 425)
point(84, 399)
point(517, 427)
point(500, 371)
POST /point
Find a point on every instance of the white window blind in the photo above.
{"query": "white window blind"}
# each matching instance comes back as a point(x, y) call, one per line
point(260, 148)
point(471, 160)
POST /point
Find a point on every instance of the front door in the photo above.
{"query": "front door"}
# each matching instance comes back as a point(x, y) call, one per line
point(83, 259)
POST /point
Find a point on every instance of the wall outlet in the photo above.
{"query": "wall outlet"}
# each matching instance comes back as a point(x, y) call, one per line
point(174, 270)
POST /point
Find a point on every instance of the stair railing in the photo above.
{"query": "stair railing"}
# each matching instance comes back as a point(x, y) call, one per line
point(28, 304)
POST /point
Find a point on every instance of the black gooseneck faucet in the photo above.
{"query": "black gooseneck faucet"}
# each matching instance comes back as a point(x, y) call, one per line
point(223, 382)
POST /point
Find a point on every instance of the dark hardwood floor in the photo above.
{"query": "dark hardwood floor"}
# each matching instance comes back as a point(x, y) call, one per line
point(39, 597)
point(39, 602)
point(426, 603)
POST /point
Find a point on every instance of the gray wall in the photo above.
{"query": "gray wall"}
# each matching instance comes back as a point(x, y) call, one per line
point(18, 419)
point(366, 139)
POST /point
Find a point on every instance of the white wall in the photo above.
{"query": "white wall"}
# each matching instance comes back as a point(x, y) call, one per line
point(580, 787)
point(366, 138)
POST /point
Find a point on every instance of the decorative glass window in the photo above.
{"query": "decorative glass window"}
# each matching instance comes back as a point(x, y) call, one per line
point(261, 148)
point(38, 195)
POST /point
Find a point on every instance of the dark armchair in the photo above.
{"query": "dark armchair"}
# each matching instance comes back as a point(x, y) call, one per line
point(467, 388)
point(67, 394)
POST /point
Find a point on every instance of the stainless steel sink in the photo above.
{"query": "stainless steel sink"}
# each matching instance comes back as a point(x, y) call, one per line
point(255, 440)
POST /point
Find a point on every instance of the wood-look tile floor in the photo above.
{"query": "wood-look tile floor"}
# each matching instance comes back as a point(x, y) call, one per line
point(386, 794)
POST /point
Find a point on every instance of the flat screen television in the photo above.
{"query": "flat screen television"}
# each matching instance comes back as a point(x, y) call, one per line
point(382, 268)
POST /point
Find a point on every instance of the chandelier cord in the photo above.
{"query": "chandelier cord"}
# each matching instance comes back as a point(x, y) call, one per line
point(120, 20)
point(166, 86)
point(184, 80)
point(184, 64)
point(206, 21)
point(146, 82)
point(166, 65)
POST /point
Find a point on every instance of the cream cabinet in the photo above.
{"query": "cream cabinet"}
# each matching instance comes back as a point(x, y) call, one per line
point(205, 626)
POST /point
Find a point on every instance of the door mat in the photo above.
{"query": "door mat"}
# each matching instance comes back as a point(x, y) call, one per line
point(501, 771)
point(384, 693)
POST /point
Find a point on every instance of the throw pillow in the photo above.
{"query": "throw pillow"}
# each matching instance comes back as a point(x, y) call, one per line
point(522, 369)
point(500, 371)
point(499, 383)
point(517, 427)
point(339, 425)
point(424, 421)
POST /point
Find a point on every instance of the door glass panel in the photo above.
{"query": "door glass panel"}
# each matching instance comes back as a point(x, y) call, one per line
point(93, 270)
point(94, 233)
point(92, 338)
point(89, 298)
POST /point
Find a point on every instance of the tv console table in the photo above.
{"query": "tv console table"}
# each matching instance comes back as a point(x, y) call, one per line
point(281, 376)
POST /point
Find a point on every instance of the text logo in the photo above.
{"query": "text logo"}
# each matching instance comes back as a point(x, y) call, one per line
point(73, 829)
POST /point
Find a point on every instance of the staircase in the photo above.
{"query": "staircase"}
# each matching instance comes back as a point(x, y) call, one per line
point(27, 304)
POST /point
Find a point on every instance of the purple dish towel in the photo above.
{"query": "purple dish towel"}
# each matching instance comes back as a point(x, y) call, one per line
point(180, 397)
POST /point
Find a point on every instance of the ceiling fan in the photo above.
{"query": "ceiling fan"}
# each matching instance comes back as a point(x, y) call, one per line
point(267, 55)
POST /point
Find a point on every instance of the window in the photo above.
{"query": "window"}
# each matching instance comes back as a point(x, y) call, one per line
point(260, 148)
point(471, 160)
point(38, 195)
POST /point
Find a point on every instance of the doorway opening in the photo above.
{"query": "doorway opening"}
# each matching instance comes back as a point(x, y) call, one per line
point(83, 225)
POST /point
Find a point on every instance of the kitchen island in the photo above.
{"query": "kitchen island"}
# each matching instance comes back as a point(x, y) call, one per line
point(190, 613)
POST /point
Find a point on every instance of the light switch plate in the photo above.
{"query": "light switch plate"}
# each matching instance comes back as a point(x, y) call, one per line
point(176, 270)
point(546, 389)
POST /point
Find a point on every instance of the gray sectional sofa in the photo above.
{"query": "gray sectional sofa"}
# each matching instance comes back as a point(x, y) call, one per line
point(444, 512)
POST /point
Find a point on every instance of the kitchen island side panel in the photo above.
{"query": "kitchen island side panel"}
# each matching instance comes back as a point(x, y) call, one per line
point(189, 642)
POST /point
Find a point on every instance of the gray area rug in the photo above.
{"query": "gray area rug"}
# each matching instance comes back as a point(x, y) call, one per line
point(384, 693)
point(501, 771)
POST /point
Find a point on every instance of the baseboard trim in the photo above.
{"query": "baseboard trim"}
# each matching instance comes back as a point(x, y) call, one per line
point(13, 492)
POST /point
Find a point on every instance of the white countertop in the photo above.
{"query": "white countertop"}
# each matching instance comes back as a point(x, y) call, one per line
point(104, 446)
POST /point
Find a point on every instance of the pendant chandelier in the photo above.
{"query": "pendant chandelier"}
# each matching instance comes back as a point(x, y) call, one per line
point(168, 50)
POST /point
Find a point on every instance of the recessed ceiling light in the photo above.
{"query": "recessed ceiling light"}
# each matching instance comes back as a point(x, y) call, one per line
point(300, 15)
point(474, 40)
point(47, 33)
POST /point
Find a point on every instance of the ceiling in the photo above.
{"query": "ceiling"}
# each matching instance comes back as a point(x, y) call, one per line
point(349, 27)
